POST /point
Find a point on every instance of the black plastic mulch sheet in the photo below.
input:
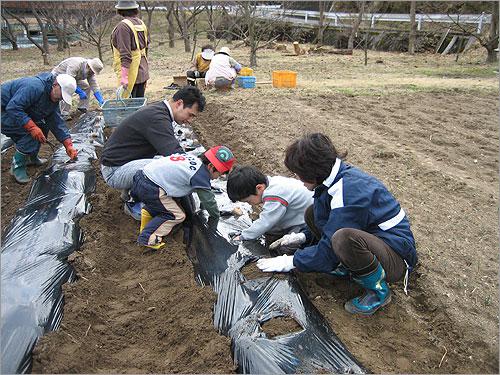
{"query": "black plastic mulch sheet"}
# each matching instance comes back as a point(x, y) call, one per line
point(244, 305)
point(37, 242)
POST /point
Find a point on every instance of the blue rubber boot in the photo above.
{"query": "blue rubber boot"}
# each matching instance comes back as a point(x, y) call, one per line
point(18, 167)
point(341, 272)
point(376, 296)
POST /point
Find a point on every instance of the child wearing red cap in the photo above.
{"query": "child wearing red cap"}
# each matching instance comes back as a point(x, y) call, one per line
point(163, 180)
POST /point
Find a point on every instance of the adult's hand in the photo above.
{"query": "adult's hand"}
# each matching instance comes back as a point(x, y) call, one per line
point(283, 263)
point(35, 131)
point(70, 150)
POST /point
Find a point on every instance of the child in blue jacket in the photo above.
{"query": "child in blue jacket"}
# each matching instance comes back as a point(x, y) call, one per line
point(355, 226)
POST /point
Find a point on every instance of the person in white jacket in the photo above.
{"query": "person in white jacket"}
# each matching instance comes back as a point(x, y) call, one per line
point(284, 200)
point(84, 71)
point(223, 69)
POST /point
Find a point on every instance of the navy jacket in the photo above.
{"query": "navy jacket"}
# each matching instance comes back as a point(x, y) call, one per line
point(350, 198)
point(29, 98)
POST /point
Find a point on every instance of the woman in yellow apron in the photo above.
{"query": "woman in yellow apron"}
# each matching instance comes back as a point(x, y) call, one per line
point(129, 41)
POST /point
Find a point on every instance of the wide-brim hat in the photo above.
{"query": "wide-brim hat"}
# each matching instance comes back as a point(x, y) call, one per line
point(207, 54)
point(126, 4)
point(68, 86)
point(95, 65)
point(225, 50)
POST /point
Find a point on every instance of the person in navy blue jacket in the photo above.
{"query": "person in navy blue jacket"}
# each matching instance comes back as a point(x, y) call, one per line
point(30, 108)
point(355, 226)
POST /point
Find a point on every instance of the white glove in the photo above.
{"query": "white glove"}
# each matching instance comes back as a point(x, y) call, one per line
point(292, 239)
point(283, 263)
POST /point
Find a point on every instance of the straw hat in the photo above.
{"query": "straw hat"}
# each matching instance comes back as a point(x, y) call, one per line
point(126, 4)
point(225, 50)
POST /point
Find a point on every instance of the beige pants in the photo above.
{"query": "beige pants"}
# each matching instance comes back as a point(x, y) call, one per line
point(83, 103)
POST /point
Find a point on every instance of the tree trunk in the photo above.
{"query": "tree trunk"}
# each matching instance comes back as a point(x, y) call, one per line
point(171, 26)
point(355, 26)
point(413, 28)
point(9, 34)
point(319, 37)
point(45, 37)
point(493, 35)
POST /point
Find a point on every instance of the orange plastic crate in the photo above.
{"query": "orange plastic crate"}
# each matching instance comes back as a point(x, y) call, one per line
point(284, 78)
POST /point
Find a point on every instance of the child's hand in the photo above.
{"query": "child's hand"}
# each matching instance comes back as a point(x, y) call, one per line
point(292, 239)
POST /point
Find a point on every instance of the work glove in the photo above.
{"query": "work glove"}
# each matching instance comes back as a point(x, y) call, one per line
point(35, 132)
point(283, 263)
point(81, 93)
point(124, 77)
point(99, 97)
point(70, 150)
point(292, 239)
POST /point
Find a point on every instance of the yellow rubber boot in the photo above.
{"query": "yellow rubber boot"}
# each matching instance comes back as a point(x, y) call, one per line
point(145, 219)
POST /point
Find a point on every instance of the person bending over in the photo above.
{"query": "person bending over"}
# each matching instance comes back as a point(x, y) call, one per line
point(144, 134)
point(167, 179)
point(355, 226)
point(284, 199)
point(200, 64)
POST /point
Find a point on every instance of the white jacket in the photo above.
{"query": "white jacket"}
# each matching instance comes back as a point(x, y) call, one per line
point(76, 67)
point(221, 65)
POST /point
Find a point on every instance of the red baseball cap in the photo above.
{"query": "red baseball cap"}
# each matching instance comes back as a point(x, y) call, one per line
point(221, 158)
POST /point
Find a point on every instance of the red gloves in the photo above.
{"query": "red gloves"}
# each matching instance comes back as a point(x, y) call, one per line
point(35, 131)
point(70, 150)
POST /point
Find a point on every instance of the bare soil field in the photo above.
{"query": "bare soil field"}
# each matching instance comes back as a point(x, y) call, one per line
point(427, 126)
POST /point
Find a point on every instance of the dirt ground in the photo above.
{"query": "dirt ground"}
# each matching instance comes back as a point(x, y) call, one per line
point(426, 126)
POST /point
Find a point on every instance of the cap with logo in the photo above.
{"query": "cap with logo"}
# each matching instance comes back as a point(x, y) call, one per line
point(221, 158)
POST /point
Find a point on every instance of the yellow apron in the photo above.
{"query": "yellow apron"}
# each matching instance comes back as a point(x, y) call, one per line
point(135, 54)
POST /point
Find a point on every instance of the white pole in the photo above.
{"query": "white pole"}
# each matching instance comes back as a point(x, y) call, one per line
point(419, 22)
point(305, 18)
point(373, 21)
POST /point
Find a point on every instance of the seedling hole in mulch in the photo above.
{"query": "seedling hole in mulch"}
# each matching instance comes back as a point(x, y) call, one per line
point(280, 326)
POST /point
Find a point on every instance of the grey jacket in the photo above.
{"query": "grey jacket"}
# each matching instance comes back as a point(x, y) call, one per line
point(77, 68)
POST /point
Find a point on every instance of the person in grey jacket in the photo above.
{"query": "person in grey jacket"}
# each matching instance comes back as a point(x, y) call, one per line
point(84, 71)
point(284, 199)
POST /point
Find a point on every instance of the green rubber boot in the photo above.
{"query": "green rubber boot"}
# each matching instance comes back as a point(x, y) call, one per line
point(18, 167)
point(33, 159)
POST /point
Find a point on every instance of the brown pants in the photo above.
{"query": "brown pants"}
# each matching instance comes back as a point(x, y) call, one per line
point(359, 251)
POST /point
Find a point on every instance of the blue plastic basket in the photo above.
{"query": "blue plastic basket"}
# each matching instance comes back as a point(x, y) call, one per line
point(115, 110)
point(246, 82)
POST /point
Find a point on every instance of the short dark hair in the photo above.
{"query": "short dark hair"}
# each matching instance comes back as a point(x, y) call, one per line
point(242, 182)
point(207, 46)
point(128, 12)
point(190, 95)
point(312, 157)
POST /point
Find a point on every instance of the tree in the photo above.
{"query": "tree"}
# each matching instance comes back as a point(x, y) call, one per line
point(9, 33)
point(94, 25)
point(487, 40)
point(149, 7)
point(355, 24)
point(254, 32)
point(413, 28)
point(44, 46)
point(185, 14)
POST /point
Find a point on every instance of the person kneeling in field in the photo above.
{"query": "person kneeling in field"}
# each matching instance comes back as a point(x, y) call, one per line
point(165, 179)
point(285, 202)
point(355, 226)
